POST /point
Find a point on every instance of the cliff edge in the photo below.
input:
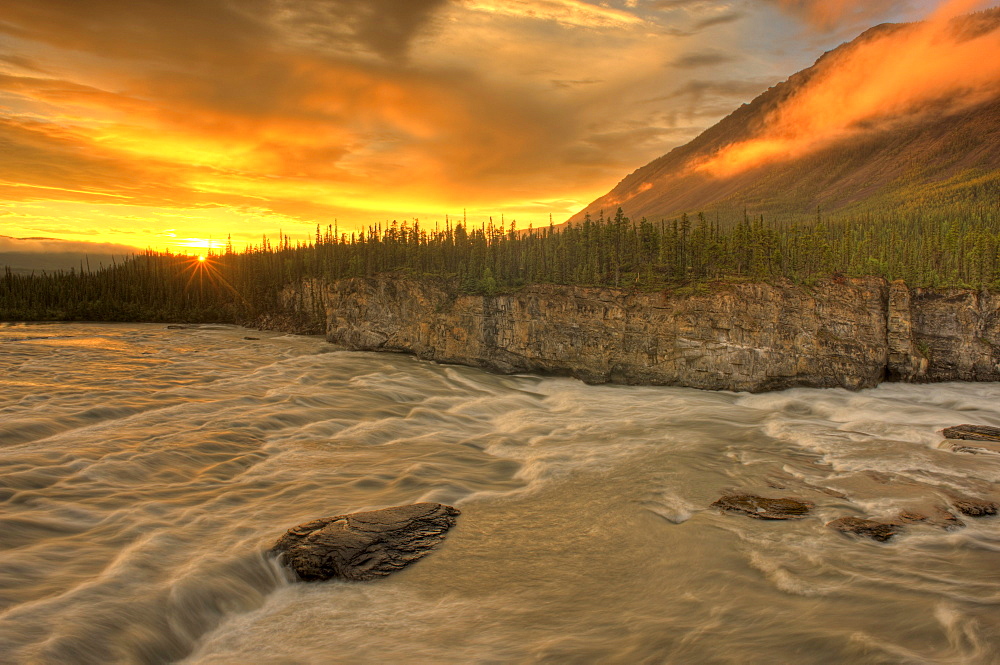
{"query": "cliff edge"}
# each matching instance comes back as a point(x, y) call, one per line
point(851, 333)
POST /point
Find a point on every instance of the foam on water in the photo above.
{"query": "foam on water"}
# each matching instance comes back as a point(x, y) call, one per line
point(144, 472)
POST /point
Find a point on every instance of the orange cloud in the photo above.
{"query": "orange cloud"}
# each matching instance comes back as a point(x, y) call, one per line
point(828, 13)
point(571, 12)
point(250, 116)
point(940, 65)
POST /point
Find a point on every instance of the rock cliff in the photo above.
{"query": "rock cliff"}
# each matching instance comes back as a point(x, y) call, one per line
point(852, 333)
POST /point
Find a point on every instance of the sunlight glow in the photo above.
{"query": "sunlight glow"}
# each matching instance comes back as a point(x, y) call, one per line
point(196, 243)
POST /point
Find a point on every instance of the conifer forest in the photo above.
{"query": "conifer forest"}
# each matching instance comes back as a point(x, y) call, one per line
point(937, 250)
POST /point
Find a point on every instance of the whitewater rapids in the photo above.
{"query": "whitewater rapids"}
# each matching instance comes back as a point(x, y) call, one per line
point(144, 471)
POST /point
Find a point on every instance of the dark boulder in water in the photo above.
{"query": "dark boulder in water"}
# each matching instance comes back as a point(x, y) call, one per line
point(976, 507)
point(762, 508)
point(972, 433)
point(880, 531)
point(366, 545)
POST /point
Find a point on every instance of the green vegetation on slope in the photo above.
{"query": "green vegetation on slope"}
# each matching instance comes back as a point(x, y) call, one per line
point(934, 250)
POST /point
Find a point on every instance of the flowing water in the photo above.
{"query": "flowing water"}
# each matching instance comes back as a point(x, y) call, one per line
point(144, 471)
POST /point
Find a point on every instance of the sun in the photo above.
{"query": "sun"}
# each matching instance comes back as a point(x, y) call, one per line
point(201, 258)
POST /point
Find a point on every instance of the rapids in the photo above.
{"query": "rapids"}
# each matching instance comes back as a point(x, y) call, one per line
point(144, 471)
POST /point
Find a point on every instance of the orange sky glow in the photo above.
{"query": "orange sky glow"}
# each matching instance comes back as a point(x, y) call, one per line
point(176, 125)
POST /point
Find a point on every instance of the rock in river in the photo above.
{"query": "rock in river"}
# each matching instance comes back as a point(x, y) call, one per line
point(973, 439)
point(363, 546)
point(972, 433)
point(939, 517)
point(763, 508)
point(976, 447)
point(880, 531)
point(976, 507)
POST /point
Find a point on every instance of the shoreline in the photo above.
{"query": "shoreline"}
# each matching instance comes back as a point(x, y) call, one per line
point(753, 337)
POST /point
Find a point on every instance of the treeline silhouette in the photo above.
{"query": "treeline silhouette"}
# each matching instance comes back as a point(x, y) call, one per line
point(925, 250)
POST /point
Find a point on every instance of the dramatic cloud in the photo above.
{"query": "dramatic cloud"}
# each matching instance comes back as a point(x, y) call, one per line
point(177, 123)
point(570, 12)
point(382, 27)
point(720, 19)
point(940, 65)
point(825, 14)
point(702, 59)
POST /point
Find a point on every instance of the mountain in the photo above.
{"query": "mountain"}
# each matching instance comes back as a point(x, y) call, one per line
point(28, 255)
point(940, 152)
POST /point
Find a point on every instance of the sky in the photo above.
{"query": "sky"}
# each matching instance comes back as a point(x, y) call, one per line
point(176, 124)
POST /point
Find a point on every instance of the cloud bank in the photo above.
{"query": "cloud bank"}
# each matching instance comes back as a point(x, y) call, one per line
point(145, 121)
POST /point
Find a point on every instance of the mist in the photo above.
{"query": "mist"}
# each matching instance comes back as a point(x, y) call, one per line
point(48, 254)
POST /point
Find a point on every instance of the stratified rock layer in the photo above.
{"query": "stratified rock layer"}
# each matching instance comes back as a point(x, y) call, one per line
point(763, 508)
point(971, 447)
point(851, 333)
point(974, 439)
point(972, 433)
point(363, 546)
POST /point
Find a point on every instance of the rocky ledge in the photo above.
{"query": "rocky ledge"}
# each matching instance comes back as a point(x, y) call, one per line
point(972, 433)
point(851, 333)
point(366, 545)
point(973, 439)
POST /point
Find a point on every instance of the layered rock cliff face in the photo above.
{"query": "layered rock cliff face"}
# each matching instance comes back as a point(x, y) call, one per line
point(852, 333)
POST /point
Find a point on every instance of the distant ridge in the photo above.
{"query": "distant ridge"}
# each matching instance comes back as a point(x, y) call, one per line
point(932, 157)
point(25, 255)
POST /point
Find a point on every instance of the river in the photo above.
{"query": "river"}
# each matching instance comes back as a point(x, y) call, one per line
point(145, 471)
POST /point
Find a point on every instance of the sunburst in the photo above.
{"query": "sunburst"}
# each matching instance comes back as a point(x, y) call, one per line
point(204, 268)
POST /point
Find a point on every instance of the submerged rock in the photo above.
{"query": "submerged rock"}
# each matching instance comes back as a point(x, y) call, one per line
point(366, 545)
point(976, 447)
point(973, 433)
point(976, 507)
point(762, 508)
point(880, 531)
point(940, 518)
